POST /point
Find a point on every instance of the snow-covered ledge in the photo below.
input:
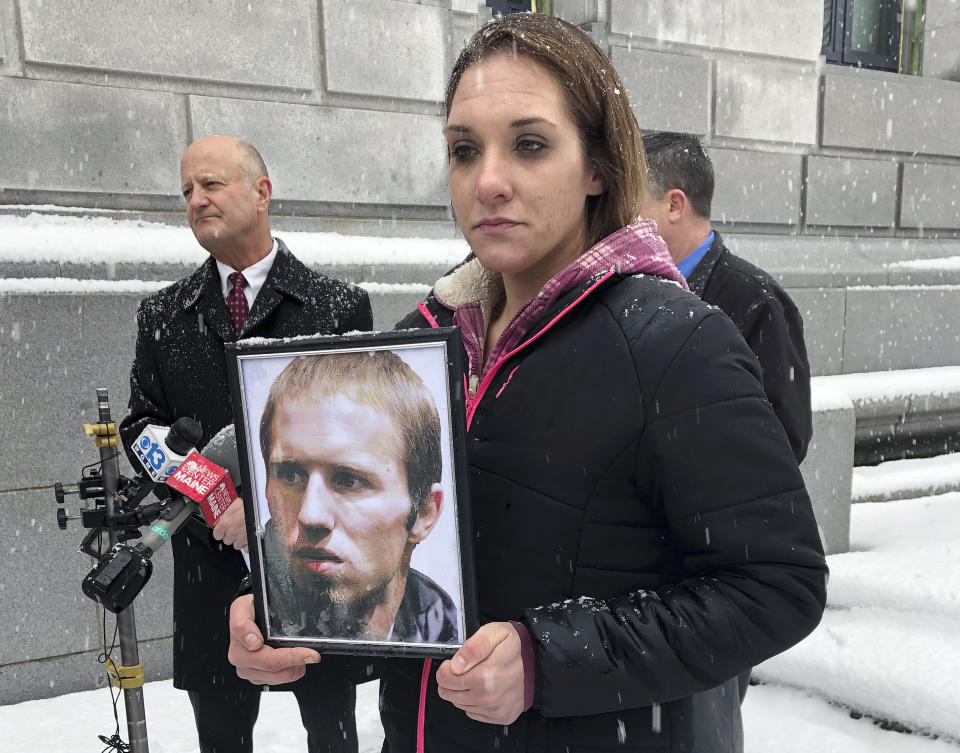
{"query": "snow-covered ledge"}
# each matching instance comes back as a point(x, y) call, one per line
point(902, 413)
point(828, 466)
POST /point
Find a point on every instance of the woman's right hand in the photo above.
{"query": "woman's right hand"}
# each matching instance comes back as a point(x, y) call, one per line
point(257, 662)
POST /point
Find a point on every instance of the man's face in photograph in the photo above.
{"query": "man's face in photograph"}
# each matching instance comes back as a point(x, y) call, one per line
point(338, 495)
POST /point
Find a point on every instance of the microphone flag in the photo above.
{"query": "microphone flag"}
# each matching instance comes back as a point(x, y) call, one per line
point(206, 483)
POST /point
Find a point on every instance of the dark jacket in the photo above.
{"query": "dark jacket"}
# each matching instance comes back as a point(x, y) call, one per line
point(180, 369)
point(773, 328)
point(636, 505)
point(426, 613)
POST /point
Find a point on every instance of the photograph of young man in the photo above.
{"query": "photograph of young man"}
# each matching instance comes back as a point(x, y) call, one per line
point(351, 445)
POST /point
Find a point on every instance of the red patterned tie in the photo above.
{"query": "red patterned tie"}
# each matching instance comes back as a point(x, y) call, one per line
point(237, 301)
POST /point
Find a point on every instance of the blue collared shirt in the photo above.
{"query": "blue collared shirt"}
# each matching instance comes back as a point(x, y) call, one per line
point(690, 263)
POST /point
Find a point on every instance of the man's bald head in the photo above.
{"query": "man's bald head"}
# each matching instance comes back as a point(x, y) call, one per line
point(246, 155)
point(253, 163)
point(225, 184)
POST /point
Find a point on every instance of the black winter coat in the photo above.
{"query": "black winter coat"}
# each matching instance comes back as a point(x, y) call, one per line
point(637, 506)
point(773, 328)
point(180, 369)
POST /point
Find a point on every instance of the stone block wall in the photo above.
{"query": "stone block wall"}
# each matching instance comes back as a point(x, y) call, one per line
point(799, 146)
point(344, 99)
point(826, 175)
point(941, 56)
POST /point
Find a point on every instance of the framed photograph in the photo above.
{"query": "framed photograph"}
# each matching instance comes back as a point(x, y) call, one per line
point(354, 485)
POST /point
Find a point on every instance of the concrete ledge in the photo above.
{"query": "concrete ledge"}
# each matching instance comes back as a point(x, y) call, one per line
point(901, 327)
point(945, 271)
point(812, 262)
point(901, 414)
point(907, 479)
point(828, 467)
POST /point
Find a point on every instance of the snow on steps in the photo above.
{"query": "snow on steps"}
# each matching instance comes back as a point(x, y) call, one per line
point(902, 413)
point(889, 643)
point(907, 479)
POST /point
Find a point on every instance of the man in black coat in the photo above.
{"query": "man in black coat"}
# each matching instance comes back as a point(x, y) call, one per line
point(180, 369)
point(680, 192)
point(679, 196)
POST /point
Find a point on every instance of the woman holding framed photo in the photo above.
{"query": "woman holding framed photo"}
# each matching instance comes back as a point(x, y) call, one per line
point(642, 534)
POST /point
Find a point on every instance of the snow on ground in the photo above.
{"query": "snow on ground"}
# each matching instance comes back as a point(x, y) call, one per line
point(903, 479)
point(784, 720)
point(776, 720)
point(889, 646)
point(889, 643)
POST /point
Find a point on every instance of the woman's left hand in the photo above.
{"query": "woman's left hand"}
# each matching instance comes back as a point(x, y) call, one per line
point(485, 677)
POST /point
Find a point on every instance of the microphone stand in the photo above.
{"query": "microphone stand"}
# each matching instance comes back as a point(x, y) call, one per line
point(129, 675)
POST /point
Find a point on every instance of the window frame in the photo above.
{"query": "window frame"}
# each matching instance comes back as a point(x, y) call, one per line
point(840, 52)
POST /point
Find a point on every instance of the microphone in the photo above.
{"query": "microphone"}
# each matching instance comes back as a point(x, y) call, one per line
point(161, 449)
point(123, 571)
point(203, 488)
point(206, 484)
point(222, 450)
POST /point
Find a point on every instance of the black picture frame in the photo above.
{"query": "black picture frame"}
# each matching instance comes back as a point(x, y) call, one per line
point(307, 590)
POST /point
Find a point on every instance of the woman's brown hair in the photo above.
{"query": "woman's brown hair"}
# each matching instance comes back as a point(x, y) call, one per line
point(595, 99)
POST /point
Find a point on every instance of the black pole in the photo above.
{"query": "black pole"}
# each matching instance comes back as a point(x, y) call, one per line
point(129, 676)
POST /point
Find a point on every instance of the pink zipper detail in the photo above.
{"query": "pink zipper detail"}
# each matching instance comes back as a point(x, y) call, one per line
point(496, 367)
point(504, 386)
point(422, 711)
point(422, 308)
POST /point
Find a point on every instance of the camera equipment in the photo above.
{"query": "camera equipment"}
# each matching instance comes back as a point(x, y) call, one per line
point(122, 571)
point(119, 511)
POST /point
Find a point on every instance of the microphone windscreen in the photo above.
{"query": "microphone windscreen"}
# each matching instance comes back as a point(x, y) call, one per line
point(222, 450)
point(184, 435)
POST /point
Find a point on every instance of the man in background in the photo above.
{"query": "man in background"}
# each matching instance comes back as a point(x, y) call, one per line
point(251, 286)
point(679, 196)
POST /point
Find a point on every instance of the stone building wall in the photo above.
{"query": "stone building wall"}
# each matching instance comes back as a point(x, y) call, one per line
point(830, 177)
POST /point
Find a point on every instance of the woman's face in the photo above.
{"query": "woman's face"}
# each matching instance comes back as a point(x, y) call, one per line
point(519, 180)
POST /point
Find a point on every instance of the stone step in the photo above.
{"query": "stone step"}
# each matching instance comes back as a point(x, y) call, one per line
point(902, 413)
point(907, 479)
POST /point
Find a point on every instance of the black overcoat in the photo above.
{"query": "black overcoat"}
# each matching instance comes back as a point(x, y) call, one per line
point(180, 369)
point(772, 326)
